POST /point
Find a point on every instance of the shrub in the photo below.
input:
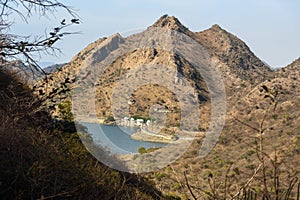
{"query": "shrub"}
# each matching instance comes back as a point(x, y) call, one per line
point(142, 150)
point(65, 111)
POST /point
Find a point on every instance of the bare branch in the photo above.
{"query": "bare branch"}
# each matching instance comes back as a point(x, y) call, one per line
point(248, 182)
point(188, 186)
point(25, 48)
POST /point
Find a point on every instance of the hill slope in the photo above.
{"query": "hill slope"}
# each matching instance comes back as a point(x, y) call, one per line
point(40, 159)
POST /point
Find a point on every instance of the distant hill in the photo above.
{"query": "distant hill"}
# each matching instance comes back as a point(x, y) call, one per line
point(52, 68)
point(27, 73)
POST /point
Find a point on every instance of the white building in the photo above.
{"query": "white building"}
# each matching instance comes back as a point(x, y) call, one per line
point(126, 121)
point(139, 122)
point(148, 123)
point(132, 122)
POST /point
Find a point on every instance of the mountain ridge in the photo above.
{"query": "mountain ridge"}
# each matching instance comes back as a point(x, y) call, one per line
point(238, 65)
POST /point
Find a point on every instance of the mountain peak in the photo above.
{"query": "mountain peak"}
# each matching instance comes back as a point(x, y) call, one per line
point(293, 66)
point(216, 27)
point(231, 50)
point(171, 23)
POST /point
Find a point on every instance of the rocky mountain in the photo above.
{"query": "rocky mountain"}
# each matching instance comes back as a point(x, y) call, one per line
point(230, 53)
point(239, 66)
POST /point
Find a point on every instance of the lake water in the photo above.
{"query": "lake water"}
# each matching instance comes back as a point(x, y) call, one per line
point(117, 138)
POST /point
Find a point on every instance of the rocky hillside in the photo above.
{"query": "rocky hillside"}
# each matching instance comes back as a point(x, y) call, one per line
point(56, 87)
point(272, 106)
point(43, 160)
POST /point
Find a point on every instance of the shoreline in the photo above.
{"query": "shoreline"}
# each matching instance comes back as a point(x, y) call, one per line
point(150, 138)
point(143, 134)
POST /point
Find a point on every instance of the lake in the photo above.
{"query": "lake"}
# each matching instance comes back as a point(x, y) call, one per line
point(117, 138)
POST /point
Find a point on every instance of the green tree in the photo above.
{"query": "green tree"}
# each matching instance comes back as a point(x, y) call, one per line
point(65, 109)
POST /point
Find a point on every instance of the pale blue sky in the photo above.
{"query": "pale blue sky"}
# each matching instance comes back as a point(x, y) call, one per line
point(269, 27)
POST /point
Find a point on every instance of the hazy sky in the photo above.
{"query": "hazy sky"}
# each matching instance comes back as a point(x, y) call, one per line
point(269, 27)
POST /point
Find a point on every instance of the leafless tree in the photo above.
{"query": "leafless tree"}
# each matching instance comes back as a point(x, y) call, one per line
point(29, 48)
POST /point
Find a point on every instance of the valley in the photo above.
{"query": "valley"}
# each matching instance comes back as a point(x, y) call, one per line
point(219, 124)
